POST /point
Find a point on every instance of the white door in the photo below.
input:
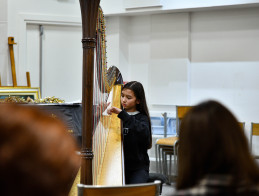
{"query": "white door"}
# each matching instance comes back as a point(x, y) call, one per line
point(61, 60)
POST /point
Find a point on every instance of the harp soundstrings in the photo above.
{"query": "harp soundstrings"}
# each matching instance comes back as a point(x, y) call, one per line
point(103, 82)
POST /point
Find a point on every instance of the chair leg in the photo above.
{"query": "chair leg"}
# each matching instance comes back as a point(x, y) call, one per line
point(175, 160)
point(159, 159)
point(170, 169)
point(156, 146)
point(168, 166)
point(165, 163)
point(165, 166)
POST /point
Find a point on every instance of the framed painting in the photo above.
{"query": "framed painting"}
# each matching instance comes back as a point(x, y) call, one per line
point(22, 92)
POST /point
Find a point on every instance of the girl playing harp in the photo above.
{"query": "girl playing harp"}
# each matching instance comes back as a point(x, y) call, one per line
point(136, 130)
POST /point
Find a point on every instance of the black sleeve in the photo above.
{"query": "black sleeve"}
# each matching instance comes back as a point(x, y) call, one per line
point(139, 125)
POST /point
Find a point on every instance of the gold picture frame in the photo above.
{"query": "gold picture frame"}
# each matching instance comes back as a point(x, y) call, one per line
point(22, 92)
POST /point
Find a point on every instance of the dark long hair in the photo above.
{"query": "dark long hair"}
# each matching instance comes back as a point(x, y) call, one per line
point(211, 141)
point(139, 92)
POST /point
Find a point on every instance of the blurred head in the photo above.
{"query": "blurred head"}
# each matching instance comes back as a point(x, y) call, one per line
point(38, 156)
point(212, 142)
point(141, 104)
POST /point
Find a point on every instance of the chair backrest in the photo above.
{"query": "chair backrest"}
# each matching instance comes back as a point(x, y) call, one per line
point(180, 112)
point(145, 189)
point(254, 131)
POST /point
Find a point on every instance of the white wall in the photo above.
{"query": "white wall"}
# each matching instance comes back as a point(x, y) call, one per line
point(207, 38)
point(3, 42)
point(139, 49)
point(225, 57)
point(169, 59)
point(225, 60)
point(23, 12)
point(147, 6)
point(62, 64)
point(117, 47)
point(142, 54)
point(185, 58)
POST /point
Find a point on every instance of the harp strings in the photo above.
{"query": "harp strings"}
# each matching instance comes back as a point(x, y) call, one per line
point(100, 96)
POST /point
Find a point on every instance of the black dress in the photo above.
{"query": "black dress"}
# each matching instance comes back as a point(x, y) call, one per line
point(136, 140)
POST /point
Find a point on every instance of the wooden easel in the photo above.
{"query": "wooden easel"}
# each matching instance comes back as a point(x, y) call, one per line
point(11, 43)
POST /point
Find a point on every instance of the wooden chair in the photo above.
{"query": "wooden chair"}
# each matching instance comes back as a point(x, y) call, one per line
point(168, 146)
point(180, 113)
point(254, 132)
point(145, 189)
point(164, 147)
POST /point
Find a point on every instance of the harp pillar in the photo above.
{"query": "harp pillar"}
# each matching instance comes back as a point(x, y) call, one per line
point(89, 11)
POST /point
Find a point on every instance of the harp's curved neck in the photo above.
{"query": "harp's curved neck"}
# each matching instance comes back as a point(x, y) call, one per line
point(89, 12)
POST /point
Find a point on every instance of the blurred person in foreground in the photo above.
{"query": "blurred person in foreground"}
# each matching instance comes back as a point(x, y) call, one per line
point(37, 155)
point(214, 157)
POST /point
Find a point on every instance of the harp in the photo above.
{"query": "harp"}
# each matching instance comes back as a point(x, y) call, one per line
point(101, 153)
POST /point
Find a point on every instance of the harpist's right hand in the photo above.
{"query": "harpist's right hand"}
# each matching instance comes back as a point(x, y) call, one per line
point(113, 110)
